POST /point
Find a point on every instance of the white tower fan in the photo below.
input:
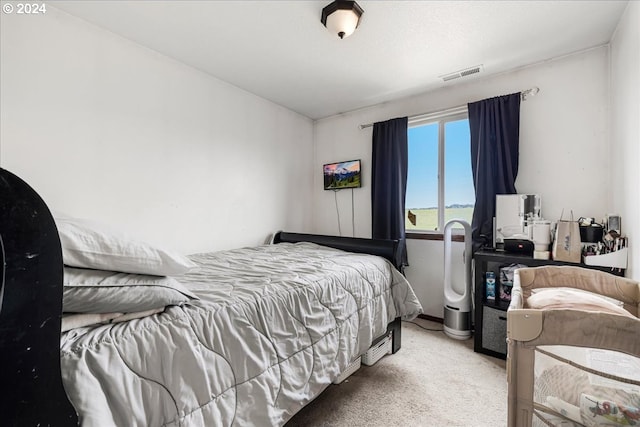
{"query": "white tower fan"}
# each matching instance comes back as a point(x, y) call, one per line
point(457, 299)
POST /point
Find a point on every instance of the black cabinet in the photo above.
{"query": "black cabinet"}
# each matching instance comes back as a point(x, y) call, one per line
point(490, 318)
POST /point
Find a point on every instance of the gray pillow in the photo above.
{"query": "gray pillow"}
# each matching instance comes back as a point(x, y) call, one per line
point(100, 291)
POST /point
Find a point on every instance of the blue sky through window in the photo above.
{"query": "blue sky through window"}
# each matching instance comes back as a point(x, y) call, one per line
point(457, 164)
point(422, 180)
point(422, 183)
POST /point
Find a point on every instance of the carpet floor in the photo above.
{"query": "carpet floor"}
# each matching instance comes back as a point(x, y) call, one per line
point(433, 381)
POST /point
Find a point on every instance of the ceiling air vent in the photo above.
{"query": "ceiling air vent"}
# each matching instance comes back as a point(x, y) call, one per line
point(461, 73)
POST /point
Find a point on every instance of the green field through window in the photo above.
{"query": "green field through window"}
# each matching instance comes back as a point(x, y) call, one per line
point(427, 219)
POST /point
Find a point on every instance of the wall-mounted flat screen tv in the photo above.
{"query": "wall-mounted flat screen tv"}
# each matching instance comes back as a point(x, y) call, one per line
point(341, 175)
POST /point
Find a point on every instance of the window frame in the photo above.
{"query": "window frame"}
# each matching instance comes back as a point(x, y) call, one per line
point(441, 118)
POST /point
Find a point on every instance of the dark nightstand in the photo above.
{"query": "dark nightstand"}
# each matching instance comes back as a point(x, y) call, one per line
point(490, 318)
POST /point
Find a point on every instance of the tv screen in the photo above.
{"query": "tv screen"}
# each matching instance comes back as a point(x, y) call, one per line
point(338, 176)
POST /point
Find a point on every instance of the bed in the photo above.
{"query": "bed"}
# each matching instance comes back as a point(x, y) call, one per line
point(240, 337)
point(573, 357)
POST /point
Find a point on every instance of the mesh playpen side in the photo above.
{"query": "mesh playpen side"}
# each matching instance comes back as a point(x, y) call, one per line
point(561, 356)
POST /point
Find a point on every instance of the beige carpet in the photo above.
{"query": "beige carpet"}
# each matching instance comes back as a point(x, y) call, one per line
point(433, 381)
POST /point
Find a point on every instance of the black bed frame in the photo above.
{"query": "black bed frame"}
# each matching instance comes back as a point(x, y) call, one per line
point(388, 249)
point(385, 248)
point(31, 389)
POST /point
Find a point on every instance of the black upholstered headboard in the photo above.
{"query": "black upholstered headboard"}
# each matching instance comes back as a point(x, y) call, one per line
point(385, 248)
point(30, 309)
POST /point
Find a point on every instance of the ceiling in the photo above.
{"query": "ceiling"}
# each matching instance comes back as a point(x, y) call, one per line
point(280, 50)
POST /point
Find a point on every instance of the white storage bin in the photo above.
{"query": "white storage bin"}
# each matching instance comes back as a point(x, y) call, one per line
point(378, 351)
point(353, 366)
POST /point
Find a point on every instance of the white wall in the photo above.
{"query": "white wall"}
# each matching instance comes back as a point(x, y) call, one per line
point(106, 129)
point(564, 149)
point(625, 130)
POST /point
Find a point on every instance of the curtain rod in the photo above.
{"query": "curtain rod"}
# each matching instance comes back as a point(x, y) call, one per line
point(459, 109)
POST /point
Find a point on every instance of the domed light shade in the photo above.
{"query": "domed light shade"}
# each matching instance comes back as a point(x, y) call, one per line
point(342, 17)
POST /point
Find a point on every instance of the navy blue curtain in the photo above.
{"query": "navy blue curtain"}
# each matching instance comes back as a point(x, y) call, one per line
point(389, 182)
point(495, 134)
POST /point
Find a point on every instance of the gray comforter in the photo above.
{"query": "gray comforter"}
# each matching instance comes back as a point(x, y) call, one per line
point(274, 326)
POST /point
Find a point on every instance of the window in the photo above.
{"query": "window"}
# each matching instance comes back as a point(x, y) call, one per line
point(439, 181)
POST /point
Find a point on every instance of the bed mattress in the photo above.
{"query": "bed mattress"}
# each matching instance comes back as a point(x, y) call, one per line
point(273, 327)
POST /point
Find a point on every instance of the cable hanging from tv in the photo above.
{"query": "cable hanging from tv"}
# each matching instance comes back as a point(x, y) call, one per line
point(353, 220)
point(342, 176)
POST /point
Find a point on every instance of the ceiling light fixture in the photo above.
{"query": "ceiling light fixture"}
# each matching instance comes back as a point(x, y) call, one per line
point(342, 17)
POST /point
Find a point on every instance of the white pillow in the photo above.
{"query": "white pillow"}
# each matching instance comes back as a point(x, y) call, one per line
point(80, 320)
point(89, 244)
point(567, 298)
point(610, 299)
